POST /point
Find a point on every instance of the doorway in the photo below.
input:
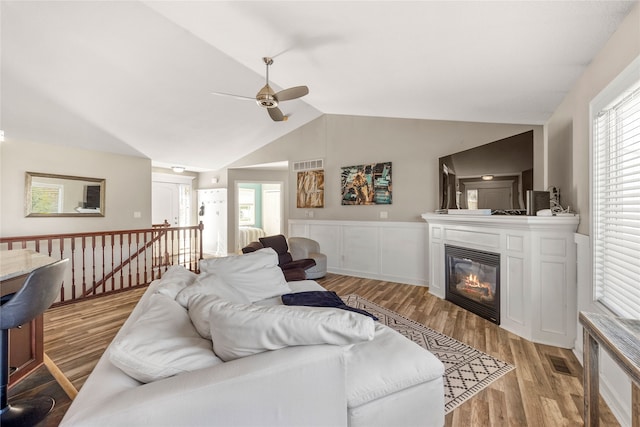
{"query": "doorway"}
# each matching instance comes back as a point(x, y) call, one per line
point(258, 211)
point(171, 199)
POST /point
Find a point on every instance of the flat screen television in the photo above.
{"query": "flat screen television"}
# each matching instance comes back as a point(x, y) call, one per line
point(493, 176)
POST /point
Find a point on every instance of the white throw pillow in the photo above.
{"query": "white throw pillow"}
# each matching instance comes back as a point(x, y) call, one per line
point(211, 284)
point(255, 274)
point(175, 279)
point(161, 343)
point(239, 330)
point(200, 306)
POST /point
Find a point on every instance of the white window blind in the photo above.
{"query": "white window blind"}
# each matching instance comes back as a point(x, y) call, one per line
point(616, 204)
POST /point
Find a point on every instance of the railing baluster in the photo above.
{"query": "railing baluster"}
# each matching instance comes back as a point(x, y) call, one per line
point(162, 246)
point(121, 262)
point(113, 279)
point(93, 252)
point(84, 274)
point(73, 267)
point(138, 263)
point(145, 259)
point(129, 253)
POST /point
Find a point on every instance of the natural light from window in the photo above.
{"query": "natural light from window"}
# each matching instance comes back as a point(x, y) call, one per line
point(615, 179)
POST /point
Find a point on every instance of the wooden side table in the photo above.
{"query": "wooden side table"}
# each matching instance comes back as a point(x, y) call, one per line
point(621, 339)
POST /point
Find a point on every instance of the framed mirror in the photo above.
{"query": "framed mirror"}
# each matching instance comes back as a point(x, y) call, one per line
point(63, 195)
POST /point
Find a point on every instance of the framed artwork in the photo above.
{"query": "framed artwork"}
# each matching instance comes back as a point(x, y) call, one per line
point(368, 184)
point(310, 189)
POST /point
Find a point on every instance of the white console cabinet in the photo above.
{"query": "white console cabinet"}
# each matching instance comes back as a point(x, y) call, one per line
point(537, 268)
point(392, 251)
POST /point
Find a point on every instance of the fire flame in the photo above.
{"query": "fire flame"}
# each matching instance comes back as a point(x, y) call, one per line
point(473, 283)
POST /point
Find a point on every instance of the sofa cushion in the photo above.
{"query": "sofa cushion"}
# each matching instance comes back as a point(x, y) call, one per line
point(279, 244)
point(252, 247)
point(161, 343)
point(175, 279)
point(255, 274)
point(200, 306)
point(211, 284)
point(239, 330)
point(388, 364)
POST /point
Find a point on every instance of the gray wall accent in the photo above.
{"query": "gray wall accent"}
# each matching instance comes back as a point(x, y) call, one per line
point(413, 147)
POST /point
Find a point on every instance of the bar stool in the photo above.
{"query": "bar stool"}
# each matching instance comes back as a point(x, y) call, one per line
point(38, 292)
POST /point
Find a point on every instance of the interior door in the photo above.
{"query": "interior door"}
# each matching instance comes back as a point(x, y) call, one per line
point(165, 200)
point(271, 209)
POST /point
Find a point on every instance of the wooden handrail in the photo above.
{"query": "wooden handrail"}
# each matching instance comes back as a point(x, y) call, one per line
point(122, 259)
point(126, 262)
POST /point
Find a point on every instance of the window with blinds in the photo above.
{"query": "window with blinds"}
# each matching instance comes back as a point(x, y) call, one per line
point(616, 201)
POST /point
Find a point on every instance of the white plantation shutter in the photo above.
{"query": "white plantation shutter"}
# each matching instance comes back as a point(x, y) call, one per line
point(616, 204)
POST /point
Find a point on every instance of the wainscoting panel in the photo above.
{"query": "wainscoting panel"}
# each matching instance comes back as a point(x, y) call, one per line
point(490, 241)
point(515, 243)
point(514, 295)
point(392, 251)
point(360, 246)
point(553, 247)
point(437, 270)
point(406, 265)
point(328, 237)
point(554, 292)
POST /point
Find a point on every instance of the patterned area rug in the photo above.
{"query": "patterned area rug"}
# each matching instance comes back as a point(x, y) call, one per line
point(467, 370)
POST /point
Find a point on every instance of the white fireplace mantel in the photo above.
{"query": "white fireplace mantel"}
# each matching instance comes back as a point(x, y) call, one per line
point(537, 268)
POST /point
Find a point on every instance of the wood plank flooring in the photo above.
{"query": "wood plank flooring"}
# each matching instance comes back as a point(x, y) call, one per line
point(545, 389)
point(76, 335)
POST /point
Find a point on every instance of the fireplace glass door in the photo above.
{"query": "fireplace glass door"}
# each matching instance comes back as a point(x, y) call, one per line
point(473, 281)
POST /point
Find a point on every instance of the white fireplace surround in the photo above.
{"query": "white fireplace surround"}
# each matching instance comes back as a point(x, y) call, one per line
point(537, 261)
point(537, 268)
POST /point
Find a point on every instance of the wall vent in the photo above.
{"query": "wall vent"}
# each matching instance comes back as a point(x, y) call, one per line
point(306, 165)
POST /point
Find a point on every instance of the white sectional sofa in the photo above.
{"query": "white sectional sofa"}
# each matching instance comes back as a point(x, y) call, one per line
point(220, 349)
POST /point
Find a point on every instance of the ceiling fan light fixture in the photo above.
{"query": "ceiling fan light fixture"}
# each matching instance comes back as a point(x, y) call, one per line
point(266, 97)
point(269, 99)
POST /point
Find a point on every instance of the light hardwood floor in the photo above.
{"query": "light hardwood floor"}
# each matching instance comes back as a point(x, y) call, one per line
point(545, 389)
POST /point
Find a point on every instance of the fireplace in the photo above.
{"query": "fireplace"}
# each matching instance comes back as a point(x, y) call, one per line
point(473, 281)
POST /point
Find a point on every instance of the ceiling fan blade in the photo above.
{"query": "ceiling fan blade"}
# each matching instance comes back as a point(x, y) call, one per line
point(292, 93)
point(245, 98)
point(276, 114)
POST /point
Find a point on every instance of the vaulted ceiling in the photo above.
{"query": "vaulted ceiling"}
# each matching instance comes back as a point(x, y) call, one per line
point(136, 77)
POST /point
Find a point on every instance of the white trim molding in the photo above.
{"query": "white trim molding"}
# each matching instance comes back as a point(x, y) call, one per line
point(537, 268)
point(390, 251)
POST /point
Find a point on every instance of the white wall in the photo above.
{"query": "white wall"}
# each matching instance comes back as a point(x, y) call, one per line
point(568, 127)
point(128, 188)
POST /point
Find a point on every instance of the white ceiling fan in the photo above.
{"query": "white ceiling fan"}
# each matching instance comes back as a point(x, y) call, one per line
point(269, 99)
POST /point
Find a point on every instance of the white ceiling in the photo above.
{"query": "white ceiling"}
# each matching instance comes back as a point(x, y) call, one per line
point(136, 77)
